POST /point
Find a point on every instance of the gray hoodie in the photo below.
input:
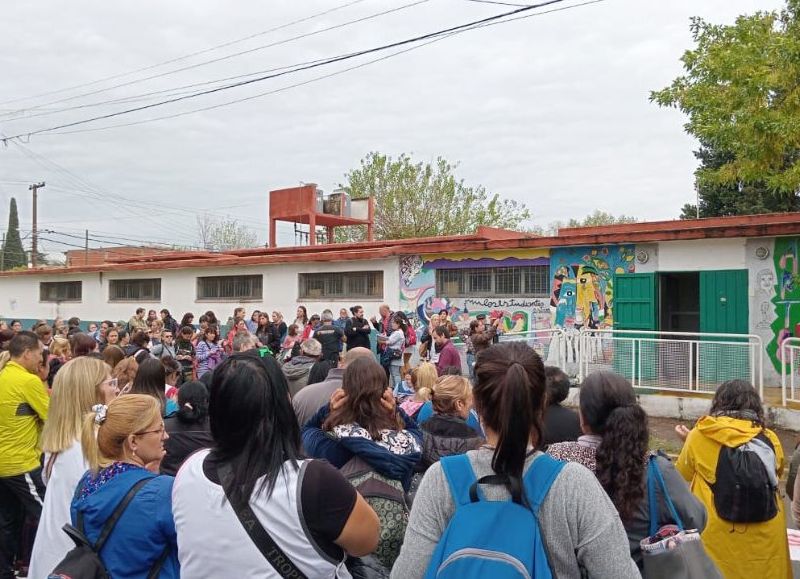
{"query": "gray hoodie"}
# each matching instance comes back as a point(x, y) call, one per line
point(296, 371)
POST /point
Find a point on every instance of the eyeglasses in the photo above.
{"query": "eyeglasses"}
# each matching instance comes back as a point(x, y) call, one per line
point(160, 431)
point(113, 382)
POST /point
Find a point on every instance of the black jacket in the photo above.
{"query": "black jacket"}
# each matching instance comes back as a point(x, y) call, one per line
point(270, 337)
point(560, 425)
point(444, 435)
point(183, 440)
point(357, 333)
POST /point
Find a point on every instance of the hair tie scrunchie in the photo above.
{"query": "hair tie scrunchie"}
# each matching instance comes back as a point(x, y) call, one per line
point(100, 411)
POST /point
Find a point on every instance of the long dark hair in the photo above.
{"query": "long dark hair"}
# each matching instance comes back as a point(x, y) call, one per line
point(252, 421)
point(609, 407)
point(187, 319)
point(82, 344)
point(305, 314)
point(509, 396)
point(364, 381)
point(735, 398)
point(192, 402)
point(150, 379)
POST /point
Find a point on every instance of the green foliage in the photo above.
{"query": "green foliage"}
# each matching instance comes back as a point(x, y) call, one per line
point(223, 234)
point(742, 95)
point(595, 219)
point(13, 253)
point(424, 200)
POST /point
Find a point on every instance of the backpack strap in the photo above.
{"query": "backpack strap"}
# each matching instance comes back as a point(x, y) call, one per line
point(105, 532)
point(461, 478)
point(540, 478)
point(654, 478)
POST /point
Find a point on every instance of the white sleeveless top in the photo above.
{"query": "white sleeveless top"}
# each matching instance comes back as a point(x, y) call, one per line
point(212, 542)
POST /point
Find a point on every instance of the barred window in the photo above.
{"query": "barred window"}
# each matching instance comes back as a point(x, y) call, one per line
point(346, 285)
point(60, 291)
point(520, 281)
point(121, 290)
point(230, 287)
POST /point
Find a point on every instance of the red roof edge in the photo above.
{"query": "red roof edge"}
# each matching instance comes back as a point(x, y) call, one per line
point(496, 233)
point(675, 224)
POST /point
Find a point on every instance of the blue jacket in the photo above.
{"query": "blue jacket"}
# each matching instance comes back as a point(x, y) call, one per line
point(338, 452)
point(142, 532)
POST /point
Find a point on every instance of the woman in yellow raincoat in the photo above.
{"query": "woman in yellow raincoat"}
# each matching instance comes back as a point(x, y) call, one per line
point(740, 550)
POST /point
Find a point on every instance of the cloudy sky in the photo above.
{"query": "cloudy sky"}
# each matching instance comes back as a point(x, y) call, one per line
point(550, 110)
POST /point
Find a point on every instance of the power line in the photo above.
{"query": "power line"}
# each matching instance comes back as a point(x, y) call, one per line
point(235, 54)
point(497, 2)
point(415, 39)
point(315, 79)
point(185, 56)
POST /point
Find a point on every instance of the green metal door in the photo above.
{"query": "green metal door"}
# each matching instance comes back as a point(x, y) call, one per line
point(635, 308)
point(635, 301)
point(724, 309)
point(723, 302)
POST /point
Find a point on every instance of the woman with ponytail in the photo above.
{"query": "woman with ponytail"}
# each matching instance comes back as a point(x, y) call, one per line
point(580, 528)
point(118, 441)
point(188, 429)
point(614, 446)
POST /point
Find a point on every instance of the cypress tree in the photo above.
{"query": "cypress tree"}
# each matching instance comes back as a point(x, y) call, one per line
point(13, 252)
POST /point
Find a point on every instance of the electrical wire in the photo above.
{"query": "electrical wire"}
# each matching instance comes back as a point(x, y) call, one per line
point(235, 54)
point(309, 81)
point(447, 31)
point(185, 56)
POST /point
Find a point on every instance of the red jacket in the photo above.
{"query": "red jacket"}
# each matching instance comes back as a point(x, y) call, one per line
point(448, 356)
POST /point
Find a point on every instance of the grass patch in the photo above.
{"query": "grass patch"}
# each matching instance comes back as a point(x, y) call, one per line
point(670, 446)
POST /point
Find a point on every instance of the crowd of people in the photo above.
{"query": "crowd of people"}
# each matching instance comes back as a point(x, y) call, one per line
point(338, 446)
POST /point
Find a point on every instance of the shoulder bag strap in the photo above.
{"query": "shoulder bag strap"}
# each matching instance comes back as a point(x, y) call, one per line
point(256, 531)
point(155, 570)
point(654, 478)
point(115, 516)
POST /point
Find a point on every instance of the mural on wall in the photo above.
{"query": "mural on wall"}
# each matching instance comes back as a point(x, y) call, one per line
point(786, 297)
point(418, 289)
point(582, 291)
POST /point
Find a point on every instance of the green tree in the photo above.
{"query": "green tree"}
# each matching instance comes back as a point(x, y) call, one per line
point(13, 253)
point(223, 234)
point(741, 93)
point(595, 219)
point(424, 200)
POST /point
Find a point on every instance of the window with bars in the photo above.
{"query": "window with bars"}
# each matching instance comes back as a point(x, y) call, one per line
point(121, 290)
point(230, 287)
point(347, 285)
point(520, 281)
point(60, 291)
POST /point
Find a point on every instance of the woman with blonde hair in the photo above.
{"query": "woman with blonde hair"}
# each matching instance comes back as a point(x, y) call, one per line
point(79, 385)
point(118, 440)
point(447, 432)
point(423, 377)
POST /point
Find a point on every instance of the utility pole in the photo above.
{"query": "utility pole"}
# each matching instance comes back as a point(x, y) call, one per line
point(3, 255)
point(34, 233)
point(86, 250)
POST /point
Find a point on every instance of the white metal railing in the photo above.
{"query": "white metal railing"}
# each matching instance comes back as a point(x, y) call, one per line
point(554, 345)
point(679, 361)
point(789, 354)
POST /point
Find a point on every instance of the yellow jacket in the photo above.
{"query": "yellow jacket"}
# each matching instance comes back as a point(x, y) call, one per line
point(23, 409)
point(741, 550)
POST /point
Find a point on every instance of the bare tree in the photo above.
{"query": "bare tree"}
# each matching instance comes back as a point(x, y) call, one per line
point(223, 234)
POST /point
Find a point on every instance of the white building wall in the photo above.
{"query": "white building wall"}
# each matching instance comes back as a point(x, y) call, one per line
point(705, 254)
point(19, 294)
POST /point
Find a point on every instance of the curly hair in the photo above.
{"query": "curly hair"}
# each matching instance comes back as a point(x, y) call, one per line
point(737, 396)
point(609, 408)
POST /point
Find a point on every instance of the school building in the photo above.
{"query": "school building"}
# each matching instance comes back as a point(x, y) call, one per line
point(655, 301)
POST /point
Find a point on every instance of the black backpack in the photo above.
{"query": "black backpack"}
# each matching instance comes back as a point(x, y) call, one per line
point(743, 491)
point(83, 562)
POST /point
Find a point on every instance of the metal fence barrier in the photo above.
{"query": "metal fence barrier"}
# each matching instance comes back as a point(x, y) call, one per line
point(679, 361)
point(790, 369)
point(550, 343)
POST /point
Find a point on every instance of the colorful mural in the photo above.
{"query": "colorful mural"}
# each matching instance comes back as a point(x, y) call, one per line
point(786, 299)
point(418, 289)
point(582, 291)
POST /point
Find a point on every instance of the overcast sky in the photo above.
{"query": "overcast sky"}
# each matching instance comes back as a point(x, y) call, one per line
point(551, 110)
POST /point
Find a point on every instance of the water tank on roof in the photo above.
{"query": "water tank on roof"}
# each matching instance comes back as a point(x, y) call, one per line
point(320, 205)
point(339, 202)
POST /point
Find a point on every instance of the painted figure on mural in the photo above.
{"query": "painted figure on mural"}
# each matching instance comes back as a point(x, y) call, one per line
point(786, 296)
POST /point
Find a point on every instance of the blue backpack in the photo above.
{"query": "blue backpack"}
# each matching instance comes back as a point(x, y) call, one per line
point(497, 539)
